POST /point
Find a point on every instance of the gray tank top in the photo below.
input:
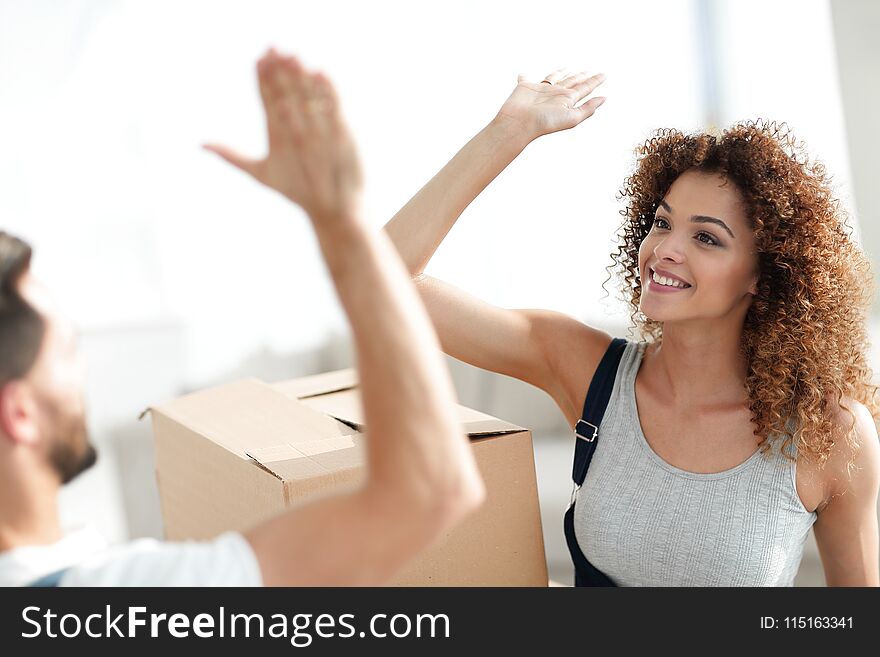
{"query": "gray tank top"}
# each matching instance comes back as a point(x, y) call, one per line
point(644, 522)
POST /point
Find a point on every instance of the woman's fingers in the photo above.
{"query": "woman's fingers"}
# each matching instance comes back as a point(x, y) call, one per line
point(577, 78)
point(587, 85)
point(555, 76)
point(588, 108)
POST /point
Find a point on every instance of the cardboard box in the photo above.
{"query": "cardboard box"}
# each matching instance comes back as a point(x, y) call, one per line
point(231, 456)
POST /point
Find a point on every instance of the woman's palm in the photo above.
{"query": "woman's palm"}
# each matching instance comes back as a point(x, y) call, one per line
point(542, 108)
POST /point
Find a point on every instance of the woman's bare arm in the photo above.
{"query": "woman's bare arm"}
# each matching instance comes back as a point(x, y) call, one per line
point(846, 529)
point(531, 345)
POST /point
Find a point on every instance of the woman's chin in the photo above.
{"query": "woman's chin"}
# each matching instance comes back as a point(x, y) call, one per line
point(653, 314)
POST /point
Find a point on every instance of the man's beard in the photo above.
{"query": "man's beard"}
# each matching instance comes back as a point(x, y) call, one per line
point(70, 452)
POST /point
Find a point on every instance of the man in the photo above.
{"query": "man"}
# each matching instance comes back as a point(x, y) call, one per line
point(422, 478)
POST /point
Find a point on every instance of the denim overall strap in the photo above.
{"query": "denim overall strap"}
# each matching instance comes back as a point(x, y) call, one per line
point(587, 429)
point(586, 438)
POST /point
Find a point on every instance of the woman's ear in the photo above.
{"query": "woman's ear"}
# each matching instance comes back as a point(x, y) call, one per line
point(753, 285)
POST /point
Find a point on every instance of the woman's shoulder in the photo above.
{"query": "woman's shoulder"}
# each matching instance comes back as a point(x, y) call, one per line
point(563, 336)
point(852, 415)
point(573, 350)
point(854, 460)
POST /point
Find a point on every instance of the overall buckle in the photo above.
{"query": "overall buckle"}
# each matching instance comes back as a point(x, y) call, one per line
point(574, 492)
point(582, 428)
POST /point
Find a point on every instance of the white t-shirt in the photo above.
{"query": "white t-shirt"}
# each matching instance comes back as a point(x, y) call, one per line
point(227, 560)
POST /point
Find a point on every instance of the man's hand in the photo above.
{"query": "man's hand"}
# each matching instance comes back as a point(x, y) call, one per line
point(312, 158)
point(422, 478)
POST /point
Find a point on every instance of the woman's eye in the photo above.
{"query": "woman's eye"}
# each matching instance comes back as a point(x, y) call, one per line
point(711, 239)
point(705, 238)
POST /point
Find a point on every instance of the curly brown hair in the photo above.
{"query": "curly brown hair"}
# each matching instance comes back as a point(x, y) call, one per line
point(805, 335)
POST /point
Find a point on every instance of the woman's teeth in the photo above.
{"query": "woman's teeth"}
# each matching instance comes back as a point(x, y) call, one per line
point(662, 280)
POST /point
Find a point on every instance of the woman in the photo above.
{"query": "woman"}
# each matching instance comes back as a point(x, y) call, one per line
point(746, 414)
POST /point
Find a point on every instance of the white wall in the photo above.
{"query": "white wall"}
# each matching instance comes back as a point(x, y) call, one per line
point(856, 26)
point(134, 223)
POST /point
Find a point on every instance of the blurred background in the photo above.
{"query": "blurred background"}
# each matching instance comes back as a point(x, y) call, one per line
point(182, 273)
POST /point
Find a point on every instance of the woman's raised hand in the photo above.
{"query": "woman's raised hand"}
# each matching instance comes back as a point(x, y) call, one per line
point(312, 158)
point(550, 105)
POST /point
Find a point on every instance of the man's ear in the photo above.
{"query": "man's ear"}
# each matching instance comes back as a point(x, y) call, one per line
point(18, 413)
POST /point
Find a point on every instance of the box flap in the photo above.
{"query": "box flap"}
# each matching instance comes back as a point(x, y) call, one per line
point(249, 414)
point(318, 384)
point(345, 404)
point(491, 426)
point(305, 460)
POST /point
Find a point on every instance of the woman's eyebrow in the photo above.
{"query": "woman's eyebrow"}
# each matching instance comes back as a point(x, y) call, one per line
point(701, 218)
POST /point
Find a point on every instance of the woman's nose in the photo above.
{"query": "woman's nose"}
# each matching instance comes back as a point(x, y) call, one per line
point(669, 248)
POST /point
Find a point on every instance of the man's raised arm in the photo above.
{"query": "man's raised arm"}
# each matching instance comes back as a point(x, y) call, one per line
point(422, 478)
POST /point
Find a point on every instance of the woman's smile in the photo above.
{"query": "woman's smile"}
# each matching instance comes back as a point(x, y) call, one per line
point(663, 284)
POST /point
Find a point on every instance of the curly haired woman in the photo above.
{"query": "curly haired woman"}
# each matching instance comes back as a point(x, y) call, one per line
point(746, 414)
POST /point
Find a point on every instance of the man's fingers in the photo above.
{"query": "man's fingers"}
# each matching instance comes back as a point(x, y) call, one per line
point(281, 100)
point(269, 90)
point(246, 164)
point(263, 82)
point(275, 100)
point(289, 76)
point(295, 70)
point(325, 92)
point(314, 109)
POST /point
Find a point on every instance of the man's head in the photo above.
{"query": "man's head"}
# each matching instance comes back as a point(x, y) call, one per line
point(42, 414)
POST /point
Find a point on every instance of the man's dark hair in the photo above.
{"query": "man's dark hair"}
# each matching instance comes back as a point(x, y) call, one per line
point(21, 326)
